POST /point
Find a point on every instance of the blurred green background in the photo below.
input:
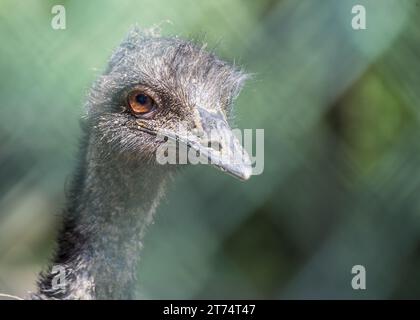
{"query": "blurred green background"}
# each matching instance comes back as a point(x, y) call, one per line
point(340, 109)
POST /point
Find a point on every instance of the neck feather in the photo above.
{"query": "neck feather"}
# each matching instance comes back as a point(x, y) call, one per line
point(112, 201)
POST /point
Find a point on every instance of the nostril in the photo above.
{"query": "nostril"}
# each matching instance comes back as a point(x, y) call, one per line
point(215, 145)
point(197, 132)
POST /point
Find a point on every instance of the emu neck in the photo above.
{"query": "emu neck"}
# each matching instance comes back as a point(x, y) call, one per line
point(112, 202)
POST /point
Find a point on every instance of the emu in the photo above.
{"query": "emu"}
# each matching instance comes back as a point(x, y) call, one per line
point(152, 85)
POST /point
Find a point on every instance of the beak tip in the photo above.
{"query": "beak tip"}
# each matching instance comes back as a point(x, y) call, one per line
point(241, 167)
point(246, 173)
point(242, 172)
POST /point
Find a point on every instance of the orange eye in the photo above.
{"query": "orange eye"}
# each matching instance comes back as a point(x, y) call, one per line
point(140, 103)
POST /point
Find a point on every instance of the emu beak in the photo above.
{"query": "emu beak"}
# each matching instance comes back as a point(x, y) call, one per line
point(214, 140)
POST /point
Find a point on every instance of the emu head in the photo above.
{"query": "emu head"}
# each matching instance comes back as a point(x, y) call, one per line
point(158, 88)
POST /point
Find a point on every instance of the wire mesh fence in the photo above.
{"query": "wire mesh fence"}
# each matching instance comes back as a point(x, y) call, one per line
point(340, 112)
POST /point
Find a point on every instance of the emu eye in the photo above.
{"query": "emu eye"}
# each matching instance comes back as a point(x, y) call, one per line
point(140, 103)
